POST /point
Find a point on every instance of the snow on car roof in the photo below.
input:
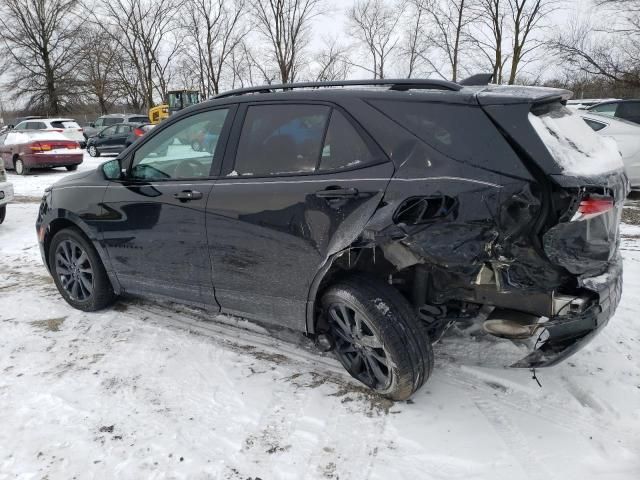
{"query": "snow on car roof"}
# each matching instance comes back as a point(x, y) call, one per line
point(14, 138)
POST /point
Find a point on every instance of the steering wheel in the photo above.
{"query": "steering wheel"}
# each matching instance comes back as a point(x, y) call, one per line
point(188, 168)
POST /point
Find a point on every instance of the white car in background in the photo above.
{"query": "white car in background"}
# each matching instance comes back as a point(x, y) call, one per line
point(6, 192)
point(627, 136)
point(66, 126)
point(584, 103)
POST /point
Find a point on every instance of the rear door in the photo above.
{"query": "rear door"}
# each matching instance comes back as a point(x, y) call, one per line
point(120, 138)
point(299, 183)
point(106, 140)
point(154, 229)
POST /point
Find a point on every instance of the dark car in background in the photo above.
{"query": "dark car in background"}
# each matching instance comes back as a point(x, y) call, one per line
point(373, 219)
point(115, 138)
point(113, 119)
point(625, 109)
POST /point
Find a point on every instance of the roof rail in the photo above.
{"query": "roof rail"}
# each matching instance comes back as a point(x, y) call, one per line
point(401, 84)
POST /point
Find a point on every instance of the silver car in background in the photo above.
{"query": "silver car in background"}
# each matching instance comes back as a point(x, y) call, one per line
point(627, 136)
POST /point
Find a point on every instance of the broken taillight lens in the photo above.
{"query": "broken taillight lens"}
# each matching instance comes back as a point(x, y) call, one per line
point(592, 207)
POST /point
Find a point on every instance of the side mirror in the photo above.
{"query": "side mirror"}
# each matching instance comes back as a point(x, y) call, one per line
point(112, 170)
point(92, 125)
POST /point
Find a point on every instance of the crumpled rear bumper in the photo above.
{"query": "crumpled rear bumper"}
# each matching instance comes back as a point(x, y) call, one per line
point(564, 335)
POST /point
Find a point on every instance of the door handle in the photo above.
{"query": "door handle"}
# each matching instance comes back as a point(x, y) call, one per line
point(187, 195)
point(330, 193)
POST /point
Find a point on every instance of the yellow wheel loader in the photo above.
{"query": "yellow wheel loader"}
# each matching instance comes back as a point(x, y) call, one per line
point(176, 100)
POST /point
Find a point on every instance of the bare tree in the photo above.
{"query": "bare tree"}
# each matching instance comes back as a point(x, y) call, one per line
point(606, 50)
point(373, 24)
point(451, 20)
point(332, 62)
point(147, 34)
point(285, 24)
point(214, 30)
point(96, 73)
point(417, 42)
point(490, 34)
point(40, 42)
point(526, 17)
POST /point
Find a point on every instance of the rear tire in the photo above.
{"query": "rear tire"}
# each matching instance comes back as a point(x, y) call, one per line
point(390, 352)
point(78, 271)
point(20, 167)
point(72, 168)
point(93, 151)
point(3, 213)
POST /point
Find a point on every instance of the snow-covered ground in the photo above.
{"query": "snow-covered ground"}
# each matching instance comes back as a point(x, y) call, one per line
point(158, 391)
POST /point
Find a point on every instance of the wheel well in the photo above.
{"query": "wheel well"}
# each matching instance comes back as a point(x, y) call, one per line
point(54, 227)
point(362, 261)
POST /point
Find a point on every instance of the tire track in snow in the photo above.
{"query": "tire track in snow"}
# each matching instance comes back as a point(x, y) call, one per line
point(547, 409)
point(514, 440)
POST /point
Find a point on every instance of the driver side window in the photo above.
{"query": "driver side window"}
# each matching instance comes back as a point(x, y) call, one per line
point(184, 150)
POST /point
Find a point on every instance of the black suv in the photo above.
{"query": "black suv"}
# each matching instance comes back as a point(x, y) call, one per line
point(373, 216)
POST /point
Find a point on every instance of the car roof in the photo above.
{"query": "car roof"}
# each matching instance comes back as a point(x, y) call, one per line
point(438, 90)
point(59, 119)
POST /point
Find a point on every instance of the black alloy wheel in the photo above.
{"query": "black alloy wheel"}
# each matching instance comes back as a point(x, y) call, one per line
point(358, 347)
point(73, 268)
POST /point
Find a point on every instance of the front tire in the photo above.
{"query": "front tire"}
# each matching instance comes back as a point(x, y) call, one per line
point(3, 213)
point(72, 168)
point(93, 151)
point(378, 338)
point(20, 167)
point(78, 271)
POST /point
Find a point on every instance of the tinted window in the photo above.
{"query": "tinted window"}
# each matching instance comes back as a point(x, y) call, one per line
point(343, 146)
point(281, 139)
point(123, 129)
point(65, 124)
point(596, 126)
point(112, 120)
point(629, 111)
point(460, 132)
point(139, 119)
point(99, 122)
point(108, 131)
point(605, 109)
point(183, 150)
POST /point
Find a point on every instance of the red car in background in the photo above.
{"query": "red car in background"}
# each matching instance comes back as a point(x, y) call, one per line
point(23, 151)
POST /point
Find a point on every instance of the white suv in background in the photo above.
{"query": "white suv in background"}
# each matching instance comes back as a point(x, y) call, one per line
point(6, 191)
point(67, 126)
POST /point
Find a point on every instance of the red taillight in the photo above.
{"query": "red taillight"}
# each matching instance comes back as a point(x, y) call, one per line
point(138, 132)
point(593, 206)
point(40, 147)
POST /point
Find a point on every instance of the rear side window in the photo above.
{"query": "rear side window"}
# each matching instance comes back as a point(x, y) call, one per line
point(112, 121)
point(595, 126)
point(606, 109)
point(343, 146)
point(629, 111)
point(123, 129)
point(281, 139)
point(64, 124)
point(460, 132)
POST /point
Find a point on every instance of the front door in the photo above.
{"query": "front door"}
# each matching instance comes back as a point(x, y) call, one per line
point(154, 228)
point(301, 182)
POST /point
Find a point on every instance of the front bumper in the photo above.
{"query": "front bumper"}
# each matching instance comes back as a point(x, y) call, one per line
point(564, 335)
point(6, 193)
